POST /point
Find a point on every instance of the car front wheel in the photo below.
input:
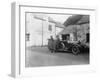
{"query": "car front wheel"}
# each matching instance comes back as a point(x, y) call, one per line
point(75, 50)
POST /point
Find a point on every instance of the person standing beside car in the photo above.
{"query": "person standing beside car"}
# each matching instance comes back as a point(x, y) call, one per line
point(51, 44)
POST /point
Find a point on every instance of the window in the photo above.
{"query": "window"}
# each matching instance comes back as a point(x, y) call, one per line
point(50, 28)
point(27, 36)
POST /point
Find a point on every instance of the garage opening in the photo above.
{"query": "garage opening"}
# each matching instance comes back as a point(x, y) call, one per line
point(87, 37)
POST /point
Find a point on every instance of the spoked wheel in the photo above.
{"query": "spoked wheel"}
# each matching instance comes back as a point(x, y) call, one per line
point(75, 50)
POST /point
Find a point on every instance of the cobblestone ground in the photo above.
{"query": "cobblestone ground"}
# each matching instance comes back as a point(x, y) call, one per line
point(41, 56)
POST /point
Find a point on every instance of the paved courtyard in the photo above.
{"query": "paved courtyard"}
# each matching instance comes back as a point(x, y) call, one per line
point(41, 56)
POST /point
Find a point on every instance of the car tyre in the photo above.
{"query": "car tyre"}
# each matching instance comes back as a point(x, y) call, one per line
point(75, 50)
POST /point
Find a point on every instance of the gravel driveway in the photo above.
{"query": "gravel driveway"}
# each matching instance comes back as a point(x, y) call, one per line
point(41, 56)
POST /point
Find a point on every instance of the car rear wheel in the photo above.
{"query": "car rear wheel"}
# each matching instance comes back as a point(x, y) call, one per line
point(75, 50)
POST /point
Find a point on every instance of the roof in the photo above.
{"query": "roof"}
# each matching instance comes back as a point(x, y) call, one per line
point(84, 19)
point(51, 20)
point(58, 24)
point(68, 30)
point(77, 19)
point(74, 28)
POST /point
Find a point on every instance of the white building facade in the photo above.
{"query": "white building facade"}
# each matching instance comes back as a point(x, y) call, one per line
point(39, 30)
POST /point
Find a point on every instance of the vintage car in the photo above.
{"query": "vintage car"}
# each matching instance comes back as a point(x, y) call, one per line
point(75, 47)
